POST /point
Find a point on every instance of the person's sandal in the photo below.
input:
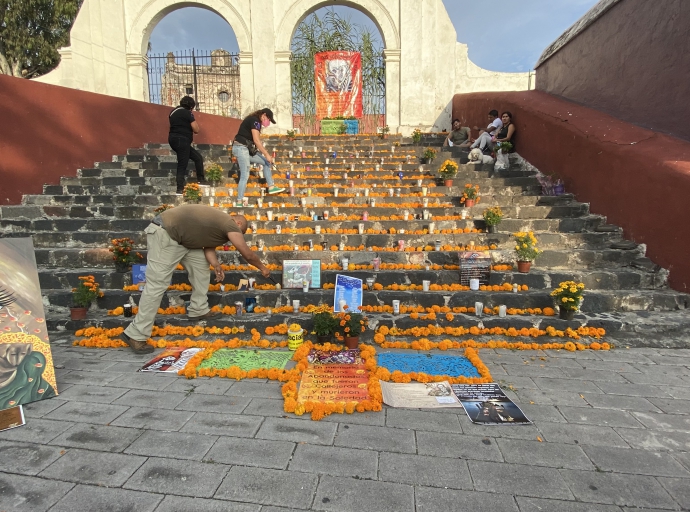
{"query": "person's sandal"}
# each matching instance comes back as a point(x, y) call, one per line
point(139, 347)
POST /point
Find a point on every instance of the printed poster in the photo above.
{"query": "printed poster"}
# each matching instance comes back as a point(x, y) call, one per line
point(139, 275)
point(26, 362)
point(12, 418)
point(348, 290)
point(419, 395)
point(475, 265)
point(295, 272)
point(338, 81)
point(171, 360)
point(334, 382)
point(488, 404)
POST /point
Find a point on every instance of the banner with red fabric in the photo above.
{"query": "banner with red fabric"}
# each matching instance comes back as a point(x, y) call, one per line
point(338, 79)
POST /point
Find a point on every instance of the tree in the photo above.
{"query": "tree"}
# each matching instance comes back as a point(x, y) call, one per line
point(31, 31)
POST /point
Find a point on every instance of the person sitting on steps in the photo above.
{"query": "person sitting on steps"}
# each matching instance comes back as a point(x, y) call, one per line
point(247, 148)
point(459, 136)
point(187, 234)
point(483, 142)
point(183, 126)
point(507, 131)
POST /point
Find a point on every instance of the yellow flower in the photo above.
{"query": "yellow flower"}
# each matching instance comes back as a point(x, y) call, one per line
point(564, 299)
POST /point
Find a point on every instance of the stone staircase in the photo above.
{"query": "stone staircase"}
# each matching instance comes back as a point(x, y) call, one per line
point(73, 222)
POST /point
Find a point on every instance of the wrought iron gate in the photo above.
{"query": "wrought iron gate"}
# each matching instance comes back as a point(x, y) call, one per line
point(212, 78)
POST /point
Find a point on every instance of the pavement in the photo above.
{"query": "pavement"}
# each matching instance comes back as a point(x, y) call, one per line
point(611, 433)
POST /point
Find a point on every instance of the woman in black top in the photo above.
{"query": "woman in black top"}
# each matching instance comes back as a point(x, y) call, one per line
point(507, 132)
point(182, 130)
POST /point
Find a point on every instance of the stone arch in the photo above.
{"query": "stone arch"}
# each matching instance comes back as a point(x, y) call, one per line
point(155, 10)
point(374, 9)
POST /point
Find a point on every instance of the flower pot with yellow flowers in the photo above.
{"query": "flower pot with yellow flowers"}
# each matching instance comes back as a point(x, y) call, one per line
point(325, 324)
point(82, 296)
point(124, 254)
point(492, 218)
point(470, 195)
point(214, 174)
point(447, 172)
point(568, 298)
point(192, 193)
point(428, 156)
point(350, 327)
point(525, 249)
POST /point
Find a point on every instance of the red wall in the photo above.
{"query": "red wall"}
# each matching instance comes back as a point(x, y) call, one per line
point(638, 178)
point(50, 131)
point(632, 62)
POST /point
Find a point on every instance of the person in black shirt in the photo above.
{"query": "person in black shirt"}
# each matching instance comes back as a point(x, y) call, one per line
point(182, 130)
point(249, 135)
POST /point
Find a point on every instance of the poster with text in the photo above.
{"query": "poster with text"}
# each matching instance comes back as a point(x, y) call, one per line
point(418, 395)
point(26, 362)
point(338, 81)
point(295, 272)
point(475, 265)
point(487, 404)
point(12, 418)
point(348, 291)
point(171, 360)
point(334, 383)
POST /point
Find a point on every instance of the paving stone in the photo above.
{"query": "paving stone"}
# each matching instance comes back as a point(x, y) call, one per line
point(679, 489)
point(256, 390)
point(541, 505)
point(143, 398)
point(36, 431)
point(155, 419)
point(375, 418)
point(631, 403)
point(86, 498)
point(617, 489)
point(179, 445)
point(678, 392)
point(96, 468)
point(458, 446)
point(515, 383)
point(635, 461)
point(268, 487)
point(664, 421)
point(432, 421)
point(26, 458)
point(144, 380)
point(269, 407)
point(683, 458)
point(86, 363)
point(594, 375)
point(329, 460)
point(654, 378)
point(42, 407)
point(280, 429)
point(349, 495)
point(542, 412)
point(212, 403)
point(518, 479)
point(554, 455)
point(513, 431)
point(29, 494)
point(656, 439)
point(251, 452)
point(551, 397)
point(643, 390)
point(180, 477)
point(97, 437)
point(423, 470)
point(202, 387)
point(603, 417)
point(581, 434)
point(437, 500)
point(672, 405)
point(87, 412)
point(574, 385)
point(610, 365)
point(97, 394)
point(376, 438)
point(182, 504)
point(533, 370)
point(92, 378)
point(223, 424)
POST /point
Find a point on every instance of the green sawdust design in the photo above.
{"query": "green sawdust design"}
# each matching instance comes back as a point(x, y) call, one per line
point(247, 359)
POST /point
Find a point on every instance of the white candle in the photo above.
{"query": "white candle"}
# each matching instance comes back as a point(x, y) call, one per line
point(478, 308)
point(502, 311)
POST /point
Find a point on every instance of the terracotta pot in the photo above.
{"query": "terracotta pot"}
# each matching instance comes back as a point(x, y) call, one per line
point(448, 182)
point(524, 266)
point(122, 267)
point(566, 314)
point(469, 203)
point(351, 342)
point(491, 228)
point(326, 338)
point(78, 313)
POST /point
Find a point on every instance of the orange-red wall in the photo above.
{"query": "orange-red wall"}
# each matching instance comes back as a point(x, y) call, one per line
point(638, 178)
point(49, 131)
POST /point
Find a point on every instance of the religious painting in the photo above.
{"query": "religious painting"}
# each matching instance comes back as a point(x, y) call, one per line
point(338, 80)
point(26, 362)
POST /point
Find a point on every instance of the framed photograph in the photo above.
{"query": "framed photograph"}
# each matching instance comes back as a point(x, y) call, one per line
point(295, 272)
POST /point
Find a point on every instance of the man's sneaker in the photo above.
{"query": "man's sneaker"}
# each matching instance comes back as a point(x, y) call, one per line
point(275, 190)
point(238, 204)
point(139, 347)
point(179, 192)
point(208, 315)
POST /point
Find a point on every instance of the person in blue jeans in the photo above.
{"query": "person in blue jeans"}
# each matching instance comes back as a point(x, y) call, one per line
point(249, 136)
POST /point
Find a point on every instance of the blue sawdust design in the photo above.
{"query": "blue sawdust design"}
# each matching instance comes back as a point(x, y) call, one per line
point(431, 364)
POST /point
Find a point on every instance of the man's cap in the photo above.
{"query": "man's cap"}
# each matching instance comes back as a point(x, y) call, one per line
point(269, 114)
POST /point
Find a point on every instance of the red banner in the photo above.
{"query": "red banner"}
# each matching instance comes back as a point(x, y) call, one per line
point(338, 79)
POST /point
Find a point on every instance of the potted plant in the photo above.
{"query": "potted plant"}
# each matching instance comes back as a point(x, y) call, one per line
point(82, 296)
point(526, 250)
point(291, 135)
point(447, 172)
point(214, 174)
point(470, 195)
point(350, 327)
point(325, 324)
point(492, 218)
point(416, 136)
point(124, 254)
point(384, 131)
point(568, 298)
point(163, 208)
point(192, 193)
point(428, 156)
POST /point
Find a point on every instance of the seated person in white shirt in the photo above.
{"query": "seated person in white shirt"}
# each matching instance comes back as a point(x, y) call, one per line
point(484, 142)
point(459, 136)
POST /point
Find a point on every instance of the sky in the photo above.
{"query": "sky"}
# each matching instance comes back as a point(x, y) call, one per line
point(502, 35)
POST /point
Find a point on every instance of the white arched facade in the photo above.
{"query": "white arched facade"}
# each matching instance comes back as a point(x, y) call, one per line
point(425, 65)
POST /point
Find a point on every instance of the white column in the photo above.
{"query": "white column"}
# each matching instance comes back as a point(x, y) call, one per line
point(138, 76)
point(283, 111)
point(246, 83)
point(392, 89)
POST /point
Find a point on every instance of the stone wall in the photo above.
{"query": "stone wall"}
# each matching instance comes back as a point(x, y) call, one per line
point(54, 130)
point(638, 178)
